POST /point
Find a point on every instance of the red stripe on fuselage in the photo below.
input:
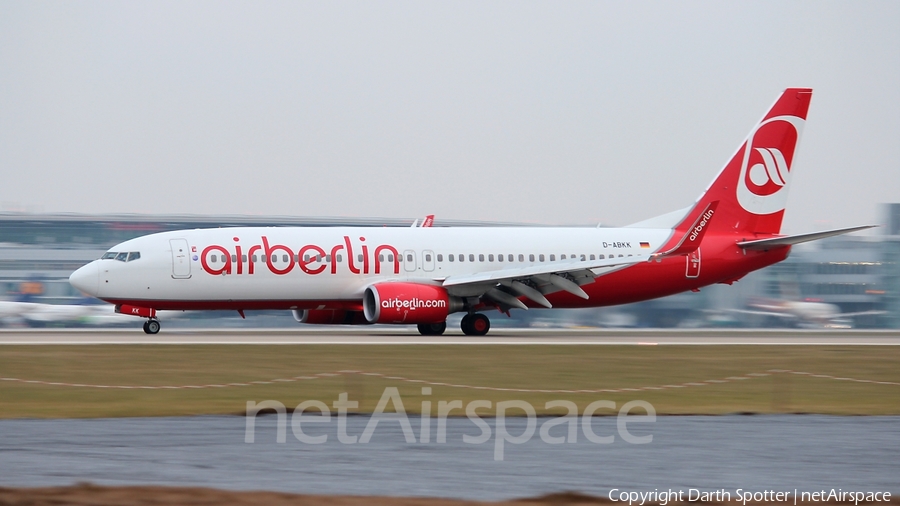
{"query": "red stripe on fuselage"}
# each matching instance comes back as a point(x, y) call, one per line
point(722, 260)
point(233, 305)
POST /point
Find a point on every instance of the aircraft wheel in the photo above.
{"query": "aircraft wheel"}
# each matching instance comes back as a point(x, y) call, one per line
point(475, 324)
point(432, 329)
point(151, 326)
point(465, 324)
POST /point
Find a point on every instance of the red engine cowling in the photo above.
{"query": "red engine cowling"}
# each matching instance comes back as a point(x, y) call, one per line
point(407, 303)
point(329, 317)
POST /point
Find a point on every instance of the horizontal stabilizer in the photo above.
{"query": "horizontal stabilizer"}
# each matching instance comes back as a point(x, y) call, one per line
point(790, 240)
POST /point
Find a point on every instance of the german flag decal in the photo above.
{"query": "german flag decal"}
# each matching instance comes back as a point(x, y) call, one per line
point(645, 244)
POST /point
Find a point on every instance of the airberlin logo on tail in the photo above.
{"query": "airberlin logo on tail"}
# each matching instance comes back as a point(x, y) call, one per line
point(697, 231)
point(771, 175)
point(766, 165)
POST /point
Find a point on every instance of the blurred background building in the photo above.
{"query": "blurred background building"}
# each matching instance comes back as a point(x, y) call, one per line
point(849, 281)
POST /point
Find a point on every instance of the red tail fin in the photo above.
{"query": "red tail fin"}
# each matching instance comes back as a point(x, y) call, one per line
point(752, 188)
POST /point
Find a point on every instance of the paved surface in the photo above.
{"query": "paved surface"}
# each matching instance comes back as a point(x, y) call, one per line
point(376, 336)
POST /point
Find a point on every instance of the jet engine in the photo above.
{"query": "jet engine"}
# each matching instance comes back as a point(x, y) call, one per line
point(397, 302)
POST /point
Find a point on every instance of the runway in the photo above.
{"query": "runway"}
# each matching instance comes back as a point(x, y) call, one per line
point(393, 336)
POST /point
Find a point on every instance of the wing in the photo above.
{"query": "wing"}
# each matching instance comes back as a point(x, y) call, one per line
point(759, 312)
point(505, 286)
point(859, 313)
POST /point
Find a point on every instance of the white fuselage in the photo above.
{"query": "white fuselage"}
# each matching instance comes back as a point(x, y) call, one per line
point(332, 264)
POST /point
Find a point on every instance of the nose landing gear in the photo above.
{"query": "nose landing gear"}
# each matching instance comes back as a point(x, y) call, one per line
point(475, 324)
point(151, 326)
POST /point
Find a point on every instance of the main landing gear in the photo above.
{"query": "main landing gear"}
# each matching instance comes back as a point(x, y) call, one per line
point(475, 324)
point(151, 326)
point(432, 329)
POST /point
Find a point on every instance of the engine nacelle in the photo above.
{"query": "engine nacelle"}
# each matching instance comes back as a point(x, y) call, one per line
point(329, 317)
point(408, 303)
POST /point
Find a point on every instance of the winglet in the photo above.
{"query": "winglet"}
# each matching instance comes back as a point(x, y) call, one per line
point(694, 235)
point(428, 222)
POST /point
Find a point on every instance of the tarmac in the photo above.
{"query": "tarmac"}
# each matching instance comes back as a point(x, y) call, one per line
point(403, 336)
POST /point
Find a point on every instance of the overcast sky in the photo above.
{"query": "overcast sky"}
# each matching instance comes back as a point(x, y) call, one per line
point(545, 112)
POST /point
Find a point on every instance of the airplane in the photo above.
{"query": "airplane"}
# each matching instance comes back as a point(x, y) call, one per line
point(40, 314)
point(420, 275)
point(804, 313)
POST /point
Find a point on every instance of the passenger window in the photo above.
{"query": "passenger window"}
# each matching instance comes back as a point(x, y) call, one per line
point(359, 258)
point(499, 258)
point(510, 258)
point(233, 257)
point(462, 258)
point(450, 257)
point(319, 258)
point(109, 255)
point(122, 257)
point(620, 255)
point(328, 258)
point(440, 257)
point(381, 258)
point(340, 258)
point(583, 258)
point(481, 257)
point(593, 257)
point(306, 259)
point(471, 257)
point(409, 258)
point(243, 258)
point(541, 258)
point(134, 255)
point(552, 258)
point(562, 257)
point(274, 258)
point(390, 258)
point(601, 257)
point(522, 257)
point(253, 259)
point(427, 258)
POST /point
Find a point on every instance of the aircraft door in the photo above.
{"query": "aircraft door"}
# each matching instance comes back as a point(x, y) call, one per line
point(428, 260)
point(409, 260)
point(693, 264)
point(181, 258)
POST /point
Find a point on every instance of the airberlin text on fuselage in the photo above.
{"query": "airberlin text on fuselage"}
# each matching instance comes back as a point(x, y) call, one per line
point(311, 259)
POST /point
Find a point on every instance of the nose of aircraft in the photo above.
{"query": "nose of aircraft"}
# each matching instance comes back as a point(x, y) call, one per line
point(86, 279)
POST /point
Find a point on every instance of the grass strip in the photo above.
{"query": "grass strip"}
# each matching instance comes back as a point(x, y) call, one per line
point(515, 367)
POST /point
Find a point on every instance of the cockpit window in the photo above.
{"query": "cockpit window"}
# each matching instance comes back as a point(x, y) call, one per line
point(124, 256)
